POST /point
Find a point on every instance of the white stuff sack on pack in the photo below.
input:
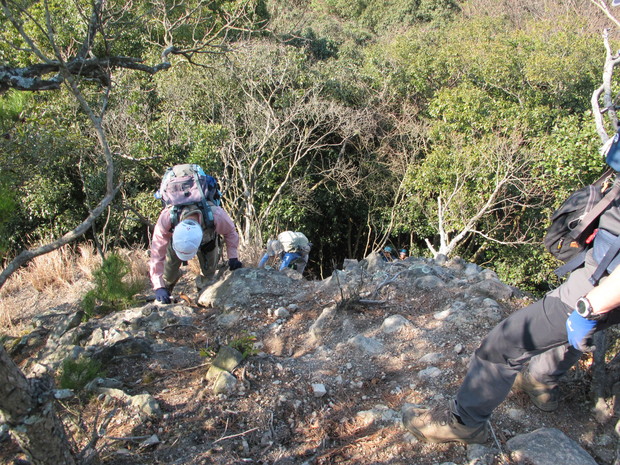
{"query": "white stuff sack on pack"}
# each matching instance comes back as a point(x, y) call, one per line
point(293, 241)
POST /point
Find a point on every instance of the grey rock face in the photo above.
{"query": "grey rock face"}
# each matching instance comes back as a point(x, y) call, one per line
point(548, 446)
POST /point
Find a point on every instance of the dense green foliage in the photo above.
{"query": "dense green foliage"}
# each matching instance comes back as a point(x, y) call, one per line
point(358, 122)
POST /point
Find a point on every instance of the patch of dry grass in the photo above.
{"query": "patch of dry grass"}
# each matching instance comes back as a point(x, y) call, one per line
point(43, 276)
point(54, 270)
point(138, 262)
point(58, 275)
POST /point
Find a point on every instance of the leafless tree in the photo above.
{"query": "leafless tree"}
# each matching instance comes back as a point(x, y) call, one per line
point(508, 187)
point(295, 139)
point(399, 152)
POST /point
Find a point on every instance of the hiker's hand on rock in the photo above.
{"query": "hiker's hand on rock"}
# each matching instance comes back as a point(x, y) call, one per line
point(162, 295)
point(234, 264)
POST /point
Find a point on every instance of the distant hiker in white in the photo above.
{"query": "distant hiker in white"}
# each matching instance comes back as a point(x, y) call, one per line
point(291, 248)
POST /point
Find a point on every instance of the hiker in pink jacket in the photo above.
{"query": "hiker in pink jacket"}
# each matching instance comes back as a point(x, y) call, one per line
point(170, 247)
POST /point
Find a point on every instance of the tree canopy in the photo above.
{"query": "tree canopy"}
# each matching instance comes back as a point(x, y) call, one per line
point(434, 126)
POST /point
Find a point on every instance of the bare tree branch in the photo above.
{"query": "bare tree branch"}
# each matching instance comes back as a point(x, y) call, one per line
point(295, 140)
point(605, 91)
point(602, 4)
point(28, 255)
point(509, 188)
point(30, 78)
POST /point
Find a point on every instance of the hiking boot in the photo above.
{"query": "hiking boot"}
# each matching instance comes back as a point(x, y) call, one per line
point(441, 425)
point(542, 395)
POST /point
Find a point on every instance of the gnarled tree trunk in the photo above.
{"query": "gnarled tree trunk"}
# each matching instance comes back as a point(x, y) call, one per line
point(27, 406)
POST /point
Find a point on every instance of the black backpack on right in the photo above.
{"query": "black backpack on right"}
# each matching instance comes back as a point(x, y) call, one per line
point(573, 224)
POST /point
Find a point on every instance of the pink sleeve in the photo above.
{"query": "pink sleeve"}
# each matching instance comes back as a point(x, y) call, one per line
point(224, 226)
point(159, 245)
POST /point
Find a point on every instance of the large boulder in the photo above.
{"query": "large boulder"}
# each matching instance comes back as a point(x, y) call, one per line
point(239, 287)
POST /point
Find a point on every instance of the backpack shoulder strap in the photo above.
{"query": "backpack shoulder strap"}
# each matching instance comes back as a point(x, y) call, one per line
point(611, 253)
point(174, 216)
point(207, 213)
point(572, 264)
point(600, 206)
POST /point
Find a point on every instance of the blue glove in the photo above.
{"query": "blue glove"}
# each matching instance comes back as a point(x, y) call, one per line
point(580, 330)
point(288, 259)
point(162, 295)
point(234, 264)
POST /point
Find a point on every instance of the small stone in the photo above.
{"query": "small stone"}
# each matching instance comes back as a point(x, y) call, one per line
point(281, 312)
point(319, 390)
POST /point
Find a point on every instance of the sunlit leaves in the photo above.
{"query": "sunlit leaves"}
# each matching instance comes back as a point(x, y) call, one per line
point(381, 15)
point(64, 20)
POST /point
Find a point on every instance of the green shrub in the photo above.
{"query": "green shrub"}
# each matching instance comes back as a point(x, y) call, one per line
point(75, 374)
point(110, 292)
point(207, 352)
point(245, 344)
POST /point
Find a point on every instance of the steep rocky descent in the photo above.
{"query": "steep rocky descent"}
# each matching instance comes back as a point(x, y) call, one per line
point(333, 362)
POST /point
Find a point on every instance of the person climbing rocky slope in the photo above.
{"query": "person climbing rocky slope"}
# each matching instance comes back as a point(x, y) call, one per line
point(267, 368)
